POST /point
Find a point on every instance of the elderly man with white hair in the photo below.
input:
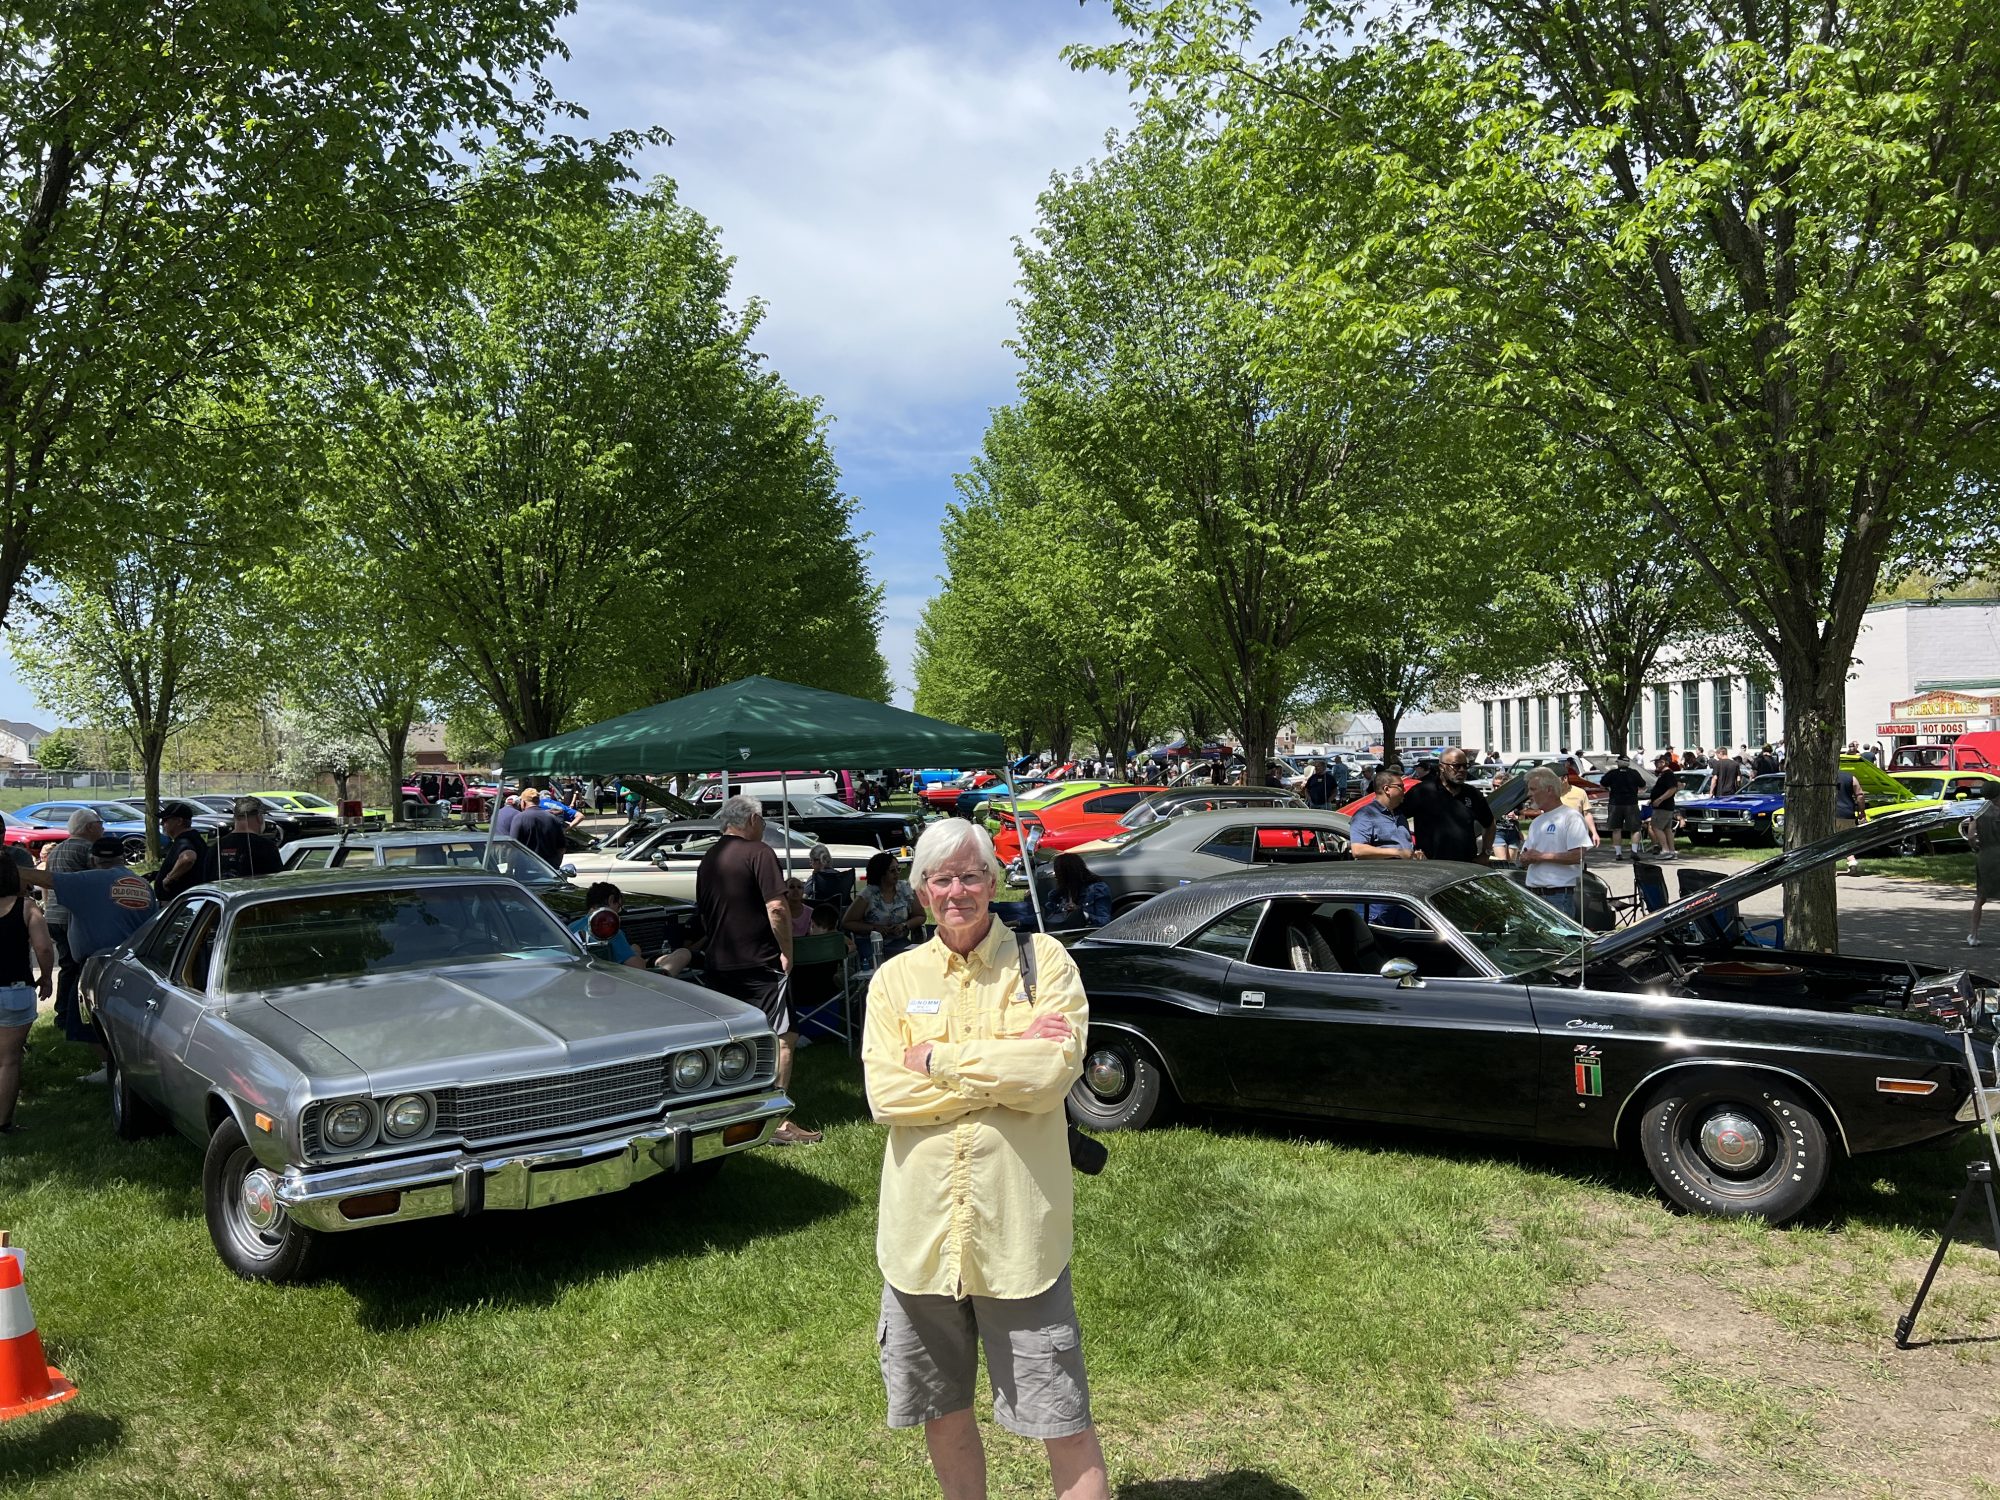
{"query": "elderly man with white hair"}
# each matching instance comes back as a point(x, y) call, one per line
point(1556, 840)
point(968, 1053)
point(740, 895)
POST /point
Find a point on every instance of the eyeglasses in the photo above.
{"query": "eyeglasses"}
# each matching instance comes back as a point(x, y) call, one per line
point(969, 881)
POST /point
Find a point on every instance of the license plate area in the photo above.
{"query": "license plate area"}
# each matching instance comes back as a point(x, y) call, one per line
point(569, 1182)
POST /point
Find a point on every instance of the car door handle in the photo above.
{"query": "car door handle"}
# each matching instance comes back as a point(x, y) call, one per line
point(1251, 999)
point(153, 1000)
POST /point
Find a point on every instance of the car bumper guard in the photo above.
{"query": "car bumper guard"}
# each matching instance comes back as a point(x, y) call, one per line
point(465, 1182)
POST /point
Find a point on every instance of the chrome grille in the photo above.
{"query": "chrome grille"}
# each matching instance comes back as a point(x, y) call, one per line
point(489, 1111)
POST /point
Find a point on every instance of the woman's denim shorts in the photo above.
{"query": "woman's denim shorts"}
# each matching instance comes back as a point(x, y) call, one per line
point(17, 1005)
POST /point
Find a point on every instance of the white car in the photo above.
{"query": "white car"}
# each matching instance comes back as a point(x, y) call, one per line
point(663, 863)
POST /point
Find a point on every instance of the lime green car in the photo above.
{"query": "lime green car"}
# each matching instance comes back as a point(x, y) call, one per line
point(1933, 789)
point(312, 802)
point(1040, 797)
point(1886, 796)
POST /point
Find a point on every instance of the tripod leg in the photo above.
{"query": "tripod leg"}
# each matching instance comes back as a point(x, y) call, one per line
point(1909, 1319)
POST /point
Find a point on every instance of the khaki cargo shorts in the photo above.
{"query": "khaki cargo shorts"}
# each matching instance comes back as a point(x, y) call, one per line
point(1034, 1358)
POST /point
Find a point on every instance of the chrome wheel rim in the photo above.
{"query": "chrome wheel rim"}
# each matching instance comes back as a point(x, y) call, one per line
point(1106, 1075)
point(255, 1218)
point(1731, 1141)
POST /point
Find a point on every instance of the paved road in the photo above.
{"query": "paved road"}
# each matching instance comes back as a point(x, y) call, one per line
point(1879, 915)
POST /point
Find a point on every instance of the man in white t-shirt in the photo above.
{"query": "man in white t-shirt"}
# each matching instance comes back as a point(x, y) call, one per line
point(1552, 853)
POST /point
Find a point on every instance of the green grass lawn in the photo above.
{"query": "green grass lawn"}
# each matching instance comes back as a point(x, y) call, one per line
point(1270, 1313)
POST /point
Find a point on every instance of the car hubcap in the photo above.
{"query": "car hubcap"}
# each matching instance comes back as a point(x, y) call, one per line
point(1733, 1142)
point(260, 1200)
point(1105, 1075)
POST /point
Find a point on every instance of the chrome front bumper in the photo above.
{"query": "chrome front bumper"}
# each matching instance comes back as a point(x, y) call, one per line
point(466, 1182)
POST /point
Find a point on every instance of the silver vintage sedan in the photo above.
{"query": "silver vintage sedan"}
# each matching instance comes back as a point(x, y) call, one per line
point(355, 1048)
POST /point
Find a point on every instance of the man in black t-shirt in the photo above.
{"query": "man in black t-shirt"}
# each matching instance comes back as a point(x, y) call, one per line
point(1622, 785)
point(1449, 818)
point(185, 856)
point(1665, 786)
point(541, 831)
point(740, 896)
point(244, 851)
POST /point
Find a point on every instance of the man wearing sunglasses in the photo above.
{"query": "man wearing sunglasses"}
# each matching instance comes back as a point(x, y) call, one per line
point(1449, 817)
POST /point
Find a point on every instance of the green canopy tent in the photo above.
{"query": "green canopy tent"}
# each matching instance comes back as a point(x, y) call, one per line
point(761, 724)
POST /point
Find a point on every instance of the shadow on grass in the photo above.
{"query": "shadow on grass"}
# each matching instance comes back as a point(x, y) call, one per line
point(31, 1447)
point(1910, 1190)
point(1237, 1484)
point(402, 1276)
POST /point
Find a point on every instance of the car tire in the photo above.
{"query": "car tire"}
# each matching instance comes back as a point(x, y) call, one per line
point(132, 1118)
point(1123, 1086)
point(281, 1251)
point(1911, 846)
point(1735, 1143)
point(135, 847)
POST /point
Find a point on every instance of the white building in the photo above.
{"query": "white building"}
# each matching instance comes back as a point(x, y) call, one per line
point(18, 739)
point(1945, 652)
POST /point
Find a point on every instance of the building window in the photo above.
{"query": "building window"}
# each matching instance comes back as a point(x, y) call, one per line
point(1506, 727)
point(1725, 716)
point(1542, 721)
point(1586, 722)
point(1524, 723)
point(1635, 728)
point(1486, 723)
point(1759, 700)
point(1690, 715)
point(1663, 717)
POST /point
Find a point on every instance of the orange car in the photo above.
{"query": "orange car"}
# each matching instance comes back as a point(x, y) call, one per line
point(1070, 821)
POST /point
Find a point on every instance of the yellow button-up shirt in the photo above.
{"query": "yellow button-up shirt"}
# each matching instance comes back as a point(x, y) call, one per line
point(976, 1192)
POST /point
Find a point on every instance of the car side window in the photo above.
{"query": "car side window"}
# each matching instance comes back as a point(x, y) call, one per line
point(349, 855)
point(157, 951)
point(1278, 845)
point(199, 951)
point(1230, 935)
point(311, 859)
point(1117, 802)
point(1237, 844)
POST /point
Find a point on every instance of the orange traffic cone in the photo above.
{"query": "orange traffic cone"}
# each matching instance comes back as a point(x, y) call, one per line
point(28, 1382)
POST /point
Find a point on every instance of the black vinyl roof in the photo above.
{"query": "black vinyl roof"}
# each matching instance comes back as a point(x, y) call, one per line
point(1172, 915)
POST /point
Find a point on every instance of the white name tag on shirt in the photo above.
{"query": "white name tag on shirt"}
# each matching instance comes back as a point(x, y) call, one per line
point(924, 1007)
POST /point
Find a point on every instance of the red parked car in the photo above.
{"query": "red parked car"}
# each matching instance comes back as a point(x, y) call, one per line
point(944, 794)
point(36, 840)
point(1071, 821)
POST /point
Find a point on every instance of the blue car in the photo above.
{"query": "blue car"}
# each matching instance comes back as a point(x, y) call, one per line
point(121, 820)
point(1748, 815)
point(935, 778)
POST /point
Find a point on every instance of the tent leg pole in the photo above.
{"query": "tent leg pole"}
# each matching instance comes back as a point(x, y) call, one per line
point(785, 801)
point(1027, 854)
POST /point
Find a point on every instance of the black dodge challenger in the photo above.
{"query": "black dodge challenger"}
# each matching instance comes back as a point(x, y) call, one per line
point(1444, 995)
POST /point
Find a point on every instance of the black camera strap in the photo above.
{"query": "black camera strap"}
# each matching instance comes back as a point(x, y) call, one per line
point(1085, 1154)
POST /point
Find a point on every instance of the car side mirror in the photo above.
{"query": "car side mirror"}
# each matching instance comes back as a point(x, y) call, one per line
point(1403, 972)
point(568, 872)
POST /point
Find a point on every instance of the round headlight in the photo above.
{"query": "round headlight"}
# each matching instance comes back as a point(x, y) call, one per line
point(407, 1115)
point(347, 1124)
point(732, 1062)
point(690, 1068)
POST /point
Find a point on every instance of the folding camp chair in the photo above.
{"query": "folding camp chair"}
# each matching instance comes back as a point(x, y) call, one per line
point(1649, 893)
point(822, 981)
point(1723, 923)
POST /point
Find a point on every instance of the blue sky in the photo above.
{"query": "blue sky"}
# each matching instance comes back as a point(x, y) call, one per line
point(869, 164)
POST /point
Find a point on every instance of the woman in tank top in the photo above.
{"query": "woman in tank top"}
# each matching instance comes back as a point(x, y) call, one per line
point(25, 948)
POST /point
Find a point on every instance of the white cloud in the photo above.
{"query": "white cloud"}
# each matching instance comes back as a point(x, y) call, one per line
point(868, 168)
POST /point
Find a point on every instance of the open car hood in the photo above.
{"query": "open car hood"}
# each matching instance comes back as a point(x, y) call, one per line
point(1762, 876)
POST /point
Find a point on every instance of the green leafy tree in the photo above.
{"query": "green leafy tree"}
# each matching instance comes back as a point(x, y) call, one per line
point(187, 182)
point(59, 751)
point(1742, 256)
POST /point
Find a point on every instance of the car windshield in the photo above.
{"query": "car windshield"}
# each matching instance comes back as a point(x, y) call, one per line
point(501, 856)
point(117, 812)
point(307, 799)
point(1924, 786)
point(1517, 933)
point(1766, 786)
point(352, 934)
point(823, 807)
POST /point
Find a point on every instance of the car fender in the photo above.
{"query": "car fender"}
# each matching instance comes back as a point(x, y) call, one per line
point(1645, 1086)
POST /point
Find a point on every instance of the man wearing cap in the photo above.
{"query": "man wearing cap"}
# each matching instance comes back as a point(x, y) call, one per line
point(1623, 785)
point(245, 850)
point(106, 903)
point(181, 863)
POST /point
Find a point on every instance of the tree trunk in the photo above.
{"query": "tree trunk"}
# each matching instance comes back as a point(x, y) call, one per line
point(1260, 732)
point(1391, 716)
point(340, 786)
point(153, 751)
point(396, 741)
point(1814, 710)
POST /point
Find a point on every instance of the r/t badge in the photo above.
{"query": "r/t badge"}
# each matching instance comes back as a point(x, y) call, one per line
point(1589, 1072)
